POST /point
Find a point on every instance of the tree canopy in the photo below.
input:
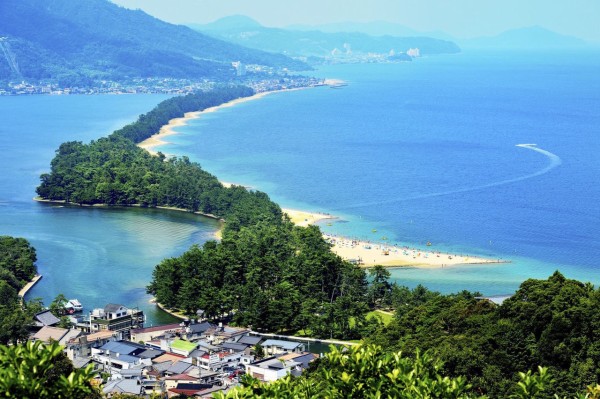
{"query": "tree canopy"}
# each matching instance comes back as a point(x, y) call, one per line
point(271, 276)
point(34, 370)
point(17, 266)
point(17, 261)
point(552, 322)
point(369, 371)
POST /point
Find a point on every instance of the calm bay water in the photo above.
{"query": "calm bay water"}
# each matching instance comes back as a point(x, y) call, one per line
point(422, 151)
point(428, 151)
point(95, 255)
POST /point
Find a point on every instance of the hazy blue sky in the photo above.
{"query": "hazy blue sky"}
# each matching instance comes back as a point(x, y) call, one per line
point(461, 18)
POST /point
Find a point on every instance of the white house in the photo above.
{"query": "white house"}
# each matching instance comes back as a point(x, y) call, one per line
point(272, 369)
point(277, 346)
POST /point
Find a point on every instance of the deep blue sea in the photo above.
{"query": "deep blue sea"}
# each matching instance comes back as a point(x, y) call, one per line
point(428, 151)
point(421, 151)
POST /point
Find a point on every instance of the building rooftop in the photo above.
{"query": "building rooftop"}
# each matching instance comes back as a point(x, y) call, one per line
point(131, 372)
point(181, 377)
point(179, 367)
point(234, 346)
point(47, 334)
point(182, 345)
point(150, 353)
point(46, 318)
point(199, 328)
point(189, 389)
point(100, 335)
point(162, 366)
point(81, 362)
point(70, 335)
point(172, 357)
point(274, 363)
point(165, 327)
point(304, 358)
point(123, 386)
point(249, 340)
point(287, 345)
point(113, 307)
point(123, 347)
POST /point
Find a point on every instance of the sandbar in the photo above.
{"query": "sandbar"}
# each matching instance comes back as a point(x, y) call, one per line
point(304, 218)
point(167, 130)
point(368, 254)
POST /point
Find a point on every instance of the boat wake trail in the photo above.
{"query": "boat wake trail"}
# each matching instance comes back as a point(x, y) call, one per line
point(554, 162)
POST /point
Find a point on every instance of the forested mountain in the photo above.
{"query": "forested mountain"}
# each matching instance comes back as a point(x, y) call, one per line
point(247, 32)
point(551, 323)
point(96, 39)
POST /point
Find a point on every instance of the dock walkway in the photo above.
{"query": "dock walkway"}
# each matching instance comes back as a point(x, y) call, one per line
point(29, 285)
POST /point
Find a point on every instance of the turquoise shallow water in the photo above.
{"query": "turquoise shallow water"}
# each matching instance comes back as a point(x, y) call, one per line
point(95, 255)
point(429, 151)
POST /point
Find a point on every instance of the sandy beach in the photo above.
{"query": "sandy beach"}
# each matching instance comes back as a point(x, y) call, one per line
point(369, 254)
point(303, 218)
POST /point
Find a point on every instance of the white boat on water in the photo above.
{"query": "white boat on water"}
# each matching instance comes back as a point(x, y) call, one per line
point(73, 305)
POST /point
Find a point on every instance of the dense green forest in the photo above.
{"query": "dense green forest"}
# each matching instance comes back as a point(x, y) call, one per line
point(151, 122)
point(552, 323)
point(17, 267)
point(114, 171)
point(271, 276)
point(266, 272)
point(258, 272)
point(369, 371)
point(17, 261)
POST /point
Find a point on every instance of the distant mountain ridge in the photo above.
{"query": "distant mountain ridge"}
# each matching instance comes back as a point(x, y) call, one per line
point(373, 28)
point(96, 39)
point(313, 43)
point(529, 38)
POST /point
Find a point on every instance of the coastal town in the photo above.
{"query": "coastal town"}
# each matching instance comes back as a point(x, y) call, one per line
point(195, 358)
point(258, 77)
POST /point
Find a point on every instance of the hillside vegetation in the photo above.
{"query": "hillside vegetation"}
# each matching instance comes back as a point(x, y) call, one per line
point(17, 266)
point(90, 40)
